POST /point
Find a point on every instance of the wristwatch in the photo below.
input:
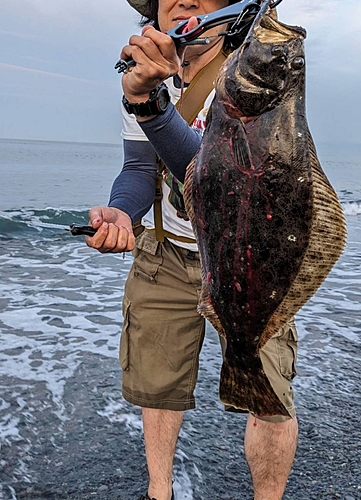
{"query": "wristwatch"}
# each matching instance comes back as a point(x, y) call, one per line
point(156, 105)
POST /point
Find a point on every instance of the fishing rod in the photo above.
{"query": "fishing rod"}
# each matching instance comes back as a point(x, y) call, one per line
point(240, 14)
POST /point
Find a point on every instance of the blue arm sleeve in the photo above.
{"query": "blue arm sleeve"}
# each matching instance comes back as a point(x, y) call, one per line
point(173, 139)
point(134, 188)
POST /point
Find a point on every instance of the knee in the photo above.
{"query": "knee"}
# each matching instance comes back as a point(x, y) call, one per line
point(274, 424)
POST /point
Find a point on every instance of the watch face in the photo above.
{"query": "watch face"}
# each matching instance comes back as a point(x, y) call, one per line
point(163, 99)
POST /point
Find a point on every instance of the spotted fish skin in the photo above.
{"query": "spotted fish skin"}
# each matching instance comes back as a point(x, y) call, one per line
point(268, 223)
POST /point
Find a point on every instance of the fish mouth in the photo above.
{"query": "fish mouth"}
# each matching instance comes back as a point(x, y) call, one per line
point(253, 88)
point(254, 91)
point(271, 31)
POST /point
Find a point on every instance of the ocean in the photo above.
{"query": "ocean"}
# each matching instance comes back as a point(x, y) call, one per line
point(65, 432)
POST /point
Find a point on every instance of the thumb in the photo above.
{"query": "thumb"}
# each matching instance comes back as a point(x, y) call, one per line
point(96, 217)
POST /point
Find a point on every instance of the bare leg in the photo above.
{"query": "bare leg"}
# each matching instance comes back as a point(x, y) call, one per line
point(270, 449)
point(161, 429)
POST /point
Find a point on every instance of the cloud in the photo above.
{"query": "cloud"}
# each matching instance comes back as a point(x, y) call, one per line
point(19, 35)
point(74, 13)
point(66, 25)
point(79, 42)
point(333, 34)
point(37, 59)
point(12, 67)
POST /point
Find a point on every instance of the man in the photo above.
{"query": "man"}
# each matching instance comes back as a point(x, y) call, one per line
point(162, 331)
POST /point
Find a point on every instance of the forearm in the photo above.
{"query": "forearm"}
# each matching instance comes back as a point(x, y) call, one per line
point(134, 188)
point(173, 139)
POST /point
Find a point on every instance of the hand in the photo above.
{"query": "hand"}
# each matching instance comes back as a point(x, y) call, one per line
point(156, 57)
point(115, 233)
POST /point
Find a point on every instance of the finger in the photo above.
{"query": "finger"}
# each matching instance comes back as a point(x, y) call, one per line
point(117, 239)
point(164, 43)
point(97, 241)
point(131, 242)
point(147, 28)
point(155, 52)
point(126, 53)
point(125, 240)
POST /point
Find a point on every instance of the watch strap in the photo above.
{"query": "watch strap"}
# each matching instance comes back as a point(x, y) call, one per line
point(151, 107)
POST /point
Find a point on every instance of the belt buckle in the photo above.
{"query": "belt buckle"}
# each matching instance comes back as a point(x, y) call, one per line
point(191, 255)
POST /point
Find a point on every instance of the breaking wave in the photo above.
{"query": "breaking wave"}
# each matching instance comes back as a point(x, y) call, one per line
point(352, 208)
point(35, 223)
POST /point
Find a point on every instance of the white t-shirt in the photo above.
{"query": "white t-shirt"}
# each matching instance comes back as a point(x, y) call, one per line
point(132, 132)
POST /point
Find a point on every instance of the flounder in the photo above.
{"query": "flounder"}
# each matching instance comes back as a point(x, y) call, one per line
point(268, 223)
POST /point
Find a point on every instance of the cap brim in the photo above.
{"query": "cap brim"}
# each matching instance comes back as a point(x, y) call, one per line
point(140, 5)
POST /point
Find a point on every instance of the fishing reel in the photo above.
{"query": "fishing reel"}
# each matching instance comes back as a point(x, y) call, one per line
point(239, 17)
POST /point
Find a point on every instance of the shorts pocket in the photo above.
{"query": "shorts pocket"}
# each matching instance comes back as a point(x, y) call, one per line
point(124, 339)
point(148, 257)
point(287, 346)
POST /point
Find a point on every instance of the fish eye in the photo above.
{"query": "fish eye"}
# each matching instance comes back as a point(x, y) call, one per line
point(298, 62)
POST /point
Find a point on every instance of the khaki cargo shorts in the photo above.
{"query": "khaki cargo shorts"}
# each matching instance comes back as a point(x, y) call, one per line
point(163, 333)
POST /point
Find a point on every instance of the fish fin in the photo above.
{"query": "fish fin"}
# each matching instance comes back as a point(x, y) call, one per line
point(206, 309)
point(249, 390)
point(187, 193)
point(326, 243)
point(205, 306)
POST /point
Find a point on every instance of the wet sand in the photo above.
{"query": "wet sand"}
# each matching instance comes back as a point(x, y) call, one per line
point(98, 451)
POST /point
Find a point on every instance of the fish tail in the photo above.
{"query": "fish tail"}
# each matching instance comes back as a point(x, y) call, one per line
point(249, 390)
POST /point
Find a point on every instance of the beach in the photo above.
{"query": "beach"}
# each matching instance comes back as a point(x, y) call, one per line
point(65, 431)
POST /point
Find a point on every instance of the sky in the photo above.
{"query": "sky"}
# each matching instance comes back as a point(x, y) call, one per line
point(57, 77)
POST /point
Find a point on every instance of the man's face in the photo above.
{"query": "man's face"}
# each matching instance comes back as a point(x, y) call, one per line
point(171, 12)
